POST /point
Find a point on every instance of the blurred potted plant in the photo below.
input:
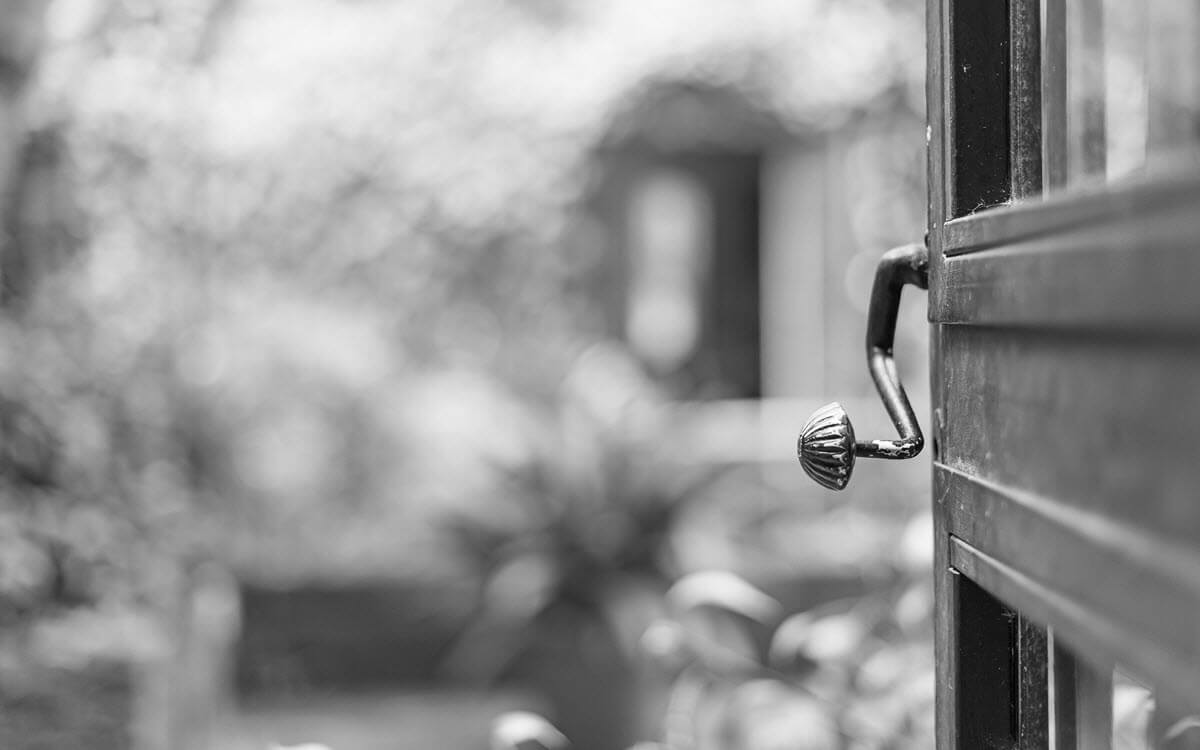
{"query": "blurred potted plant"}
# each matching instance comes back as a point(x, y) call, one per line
point(573, 555)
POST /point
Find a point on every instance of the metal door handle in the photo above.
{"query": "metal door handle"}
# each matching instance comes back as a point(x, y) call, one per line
point(826, 447)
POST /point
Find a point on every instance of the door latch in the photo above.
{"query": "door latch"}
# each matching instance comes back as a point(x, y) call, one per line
point(827, 448)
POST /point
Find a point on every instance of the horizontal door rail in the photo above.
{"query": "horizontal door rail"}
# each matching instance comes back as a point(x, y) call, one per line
point(1124, 261)
point(1111, 591)
point(1102, 204)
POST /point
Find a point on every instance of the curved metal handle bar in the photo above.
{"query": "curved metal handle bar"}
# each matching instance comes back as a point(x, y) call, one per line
point(827, 448)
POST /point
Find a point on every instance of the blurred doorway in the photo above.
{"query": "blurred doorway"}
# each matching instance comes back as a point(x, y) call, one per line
point(679, 200)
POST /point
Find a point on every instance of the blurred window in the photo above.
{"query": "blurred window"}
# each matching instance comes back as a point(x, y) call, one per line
point(670, 256)
point(1132, 89)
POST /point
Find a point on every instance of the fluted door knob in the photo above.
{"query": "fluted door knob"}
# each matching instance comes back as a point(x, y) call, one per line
point(827, 448)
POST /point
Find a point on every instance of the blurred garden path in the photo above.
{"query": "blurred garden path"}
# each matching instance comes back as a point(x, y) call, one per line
point(392, 720)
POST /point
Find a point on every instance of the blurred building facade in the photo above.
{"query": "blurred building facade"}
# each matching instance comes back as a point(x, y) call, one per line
point(741, 250)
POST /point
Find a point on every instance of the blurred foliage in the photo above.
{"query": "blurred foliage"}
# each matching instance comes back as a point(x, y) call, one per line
point(582, 524)
point(853, 674)
point(289, 284)
point(298, 236)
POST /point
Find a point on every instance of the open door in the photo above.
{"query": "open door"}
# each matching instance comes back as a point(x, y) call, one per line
point(1063, 268)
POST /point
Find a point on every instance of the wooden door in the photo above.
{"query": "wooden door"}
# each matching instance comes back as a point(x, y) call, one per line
point(1063, 266)
point(1064, 302)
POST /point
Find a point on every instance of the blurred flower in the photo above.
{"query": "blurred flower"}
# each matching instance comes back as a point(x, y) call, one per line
point(524, 730)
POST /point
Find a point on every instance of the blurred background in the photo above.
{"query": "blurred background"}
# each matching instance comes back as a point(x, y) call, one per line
point(371, 369)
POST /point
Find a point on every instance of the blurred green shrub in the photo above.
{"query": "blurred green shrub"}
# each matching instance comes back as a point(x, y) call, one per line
point(572, 550)
point(582, 518)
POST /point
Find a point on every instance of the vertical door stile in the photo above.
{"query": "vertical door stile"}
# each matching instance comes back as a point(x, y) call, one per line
point(986, 148)
point(1025, 148)
point(938, 114)
point(1025, 98)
